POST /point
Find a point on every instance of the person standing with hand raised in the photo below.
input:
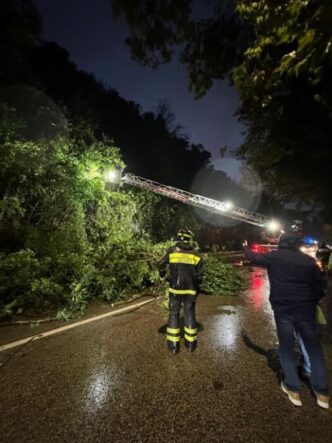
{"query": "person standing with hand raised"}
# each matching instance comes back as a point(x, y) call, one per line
point(296, 286)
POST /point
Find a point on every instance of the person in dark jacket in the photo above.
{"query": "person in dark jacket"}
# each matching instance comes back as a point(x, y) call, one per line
point(296, 286)
point(185, 269)
point(323, 254)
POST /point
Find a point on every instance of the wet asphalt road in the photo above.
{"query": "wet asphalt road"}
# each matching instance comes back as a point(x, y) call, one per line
point(113, 380)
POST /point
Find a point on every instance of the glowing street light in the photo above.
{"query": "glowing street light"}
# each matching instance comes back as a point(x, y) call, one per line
point(273, 226)
point(113, 176)
point(228, 205)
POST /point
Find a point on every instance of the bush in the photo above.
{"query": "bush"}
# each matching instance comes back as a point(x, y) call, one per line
point(31, 284)
point(221, 278)
point(126, 267)
point(17, 272)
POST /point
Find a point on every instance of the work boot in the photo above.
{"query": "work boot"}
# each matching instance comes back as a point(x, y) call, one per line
point(294, 397)
point(323, 400)
point(174, 348)
point(190, 345)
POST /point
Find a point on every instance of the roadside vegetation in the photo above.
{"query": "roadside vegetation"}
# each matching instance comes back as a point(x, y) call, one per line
point(221, 278)
point(66, 236)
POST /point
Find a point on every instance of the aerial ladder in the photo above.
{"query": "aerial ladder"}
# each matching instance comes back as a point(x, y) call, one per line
point(225, 208)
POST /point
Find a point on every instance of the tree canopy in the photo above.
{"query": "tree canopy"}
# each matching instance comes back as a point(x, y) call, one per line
point(278, 56)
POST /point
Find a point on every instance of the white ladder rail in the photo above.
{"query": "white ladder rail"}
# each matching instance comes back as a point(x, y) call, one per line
point(219, 207)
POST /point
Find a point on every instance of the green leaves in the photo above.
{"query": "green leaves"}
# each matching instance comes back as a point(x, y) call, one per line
point(221, 278)
point(284, 81)
point(125, 267)
point(66, 236)
point(306, 39)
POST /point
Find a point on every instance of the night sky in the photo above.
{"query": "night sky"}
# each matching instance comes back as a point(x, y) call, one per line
point(96, 44)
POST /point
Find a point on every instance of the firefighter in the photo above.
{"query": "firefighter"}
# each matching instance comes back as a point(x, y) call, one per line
point(185, 269)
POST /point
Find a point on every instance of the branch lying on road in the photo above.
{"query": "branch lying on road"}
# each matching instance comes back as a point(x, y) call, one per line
point(45, 320)
point(28, 322)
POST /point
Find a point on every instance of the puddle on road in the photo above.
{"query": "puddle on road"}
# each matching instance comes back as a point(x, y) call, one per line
point(100, 387)
point(226, 328)
point(257, 295)
point(227, 325)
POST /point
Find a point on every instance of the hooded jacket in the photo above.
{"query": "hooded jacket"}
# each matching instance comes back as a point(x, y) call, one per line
point(296, 280)
point(186, 269)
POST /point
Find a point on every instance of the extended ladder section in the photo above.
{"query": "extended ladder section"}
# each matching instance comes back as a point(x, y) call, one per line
point(224, 208)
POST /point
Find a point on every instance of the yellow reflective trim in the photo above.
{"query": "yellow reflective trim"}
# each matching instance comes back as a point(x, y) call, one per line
point(182, 291)
point(173, 331)
point(187, 259)
point(188, 338)
point(171, 338)
point(190, 331)
point(181, 234)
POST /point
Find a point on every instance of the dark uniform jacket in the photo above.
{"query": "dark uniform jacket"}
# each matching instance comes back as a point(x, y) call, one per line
point(295, 278)
point(186, 266)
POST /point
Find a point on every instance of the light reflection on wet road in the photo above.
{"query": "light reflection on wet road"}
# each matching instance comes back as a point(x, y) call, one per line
point(114, 381)
point(100, 387)
point(225, 329)
point(230, 322)
point(258, 289)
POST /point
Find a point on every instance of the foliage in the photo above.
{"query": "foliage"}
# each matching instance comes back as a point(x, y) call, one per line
point(46, 211)
point(291, 40)
point(39, 80)
point(127, 268)
point(221, 278)
point(211, 41)
point(65, 236)
point(170, 216)
point(17, 272)
point(285, 84)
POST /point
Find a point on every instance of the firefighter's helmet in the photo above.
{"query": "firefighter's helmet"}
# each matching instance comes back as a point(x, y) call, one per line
point(185, 235)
